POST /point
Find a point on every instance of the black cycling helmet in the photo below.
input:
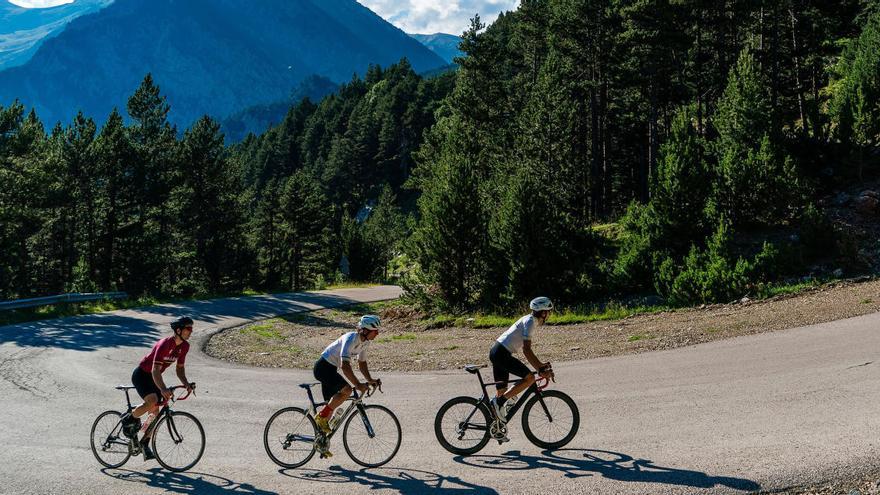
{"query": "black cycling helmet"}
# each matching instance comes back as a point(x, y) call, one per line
point(180, 323)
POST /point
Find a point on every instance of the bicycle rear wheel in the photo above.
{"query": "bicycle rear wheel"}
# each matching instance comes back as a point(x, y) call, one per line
point(550, 419)
point(289, 437)
point(462, 425)
point(109, 443)
point(372, 435)
point(178, 441)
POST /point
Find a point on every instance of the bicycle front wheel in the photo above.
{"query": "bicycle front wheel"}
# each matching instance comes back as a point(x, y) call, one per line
point(289, 437)
point(178, 441)
point(372, 435)
point(550, 419)
point(109, 443)
point(462, 425)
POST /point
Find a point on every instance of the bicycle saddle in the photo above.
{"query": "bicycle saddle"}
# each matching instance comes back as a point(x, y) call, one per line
point(124, 387)
point(473, 368)
point(309, 385)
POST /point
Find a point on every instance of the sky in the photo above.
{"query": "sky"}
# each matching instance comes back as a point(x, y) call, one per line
point(39, 3)
point(412, 16)
point(433, 16)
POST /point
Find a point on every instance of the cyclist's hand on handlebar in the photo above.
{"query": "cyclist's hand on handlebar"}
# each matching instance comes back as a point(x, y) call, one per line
point(190, 388)
point(362, 387)
point(166, 394)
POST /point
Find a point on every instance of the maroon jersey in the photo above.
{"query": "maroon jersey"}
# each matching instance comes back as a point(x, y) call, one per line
point(165, 352)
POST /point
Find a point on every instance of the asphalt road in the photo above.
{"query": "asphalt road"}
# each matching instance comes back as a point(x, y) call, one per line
point(747, 414)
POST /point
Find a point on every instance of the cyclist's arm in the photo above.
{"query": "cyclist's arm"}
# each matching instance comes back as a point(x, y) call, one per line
point(533, 360)
point(181, 374)
point(349, 373)
point(157, 377)
point(362, 365)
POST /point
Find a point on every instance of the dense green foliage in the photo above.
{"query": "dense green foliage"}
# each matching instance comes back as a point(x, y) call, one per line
point(703, 129)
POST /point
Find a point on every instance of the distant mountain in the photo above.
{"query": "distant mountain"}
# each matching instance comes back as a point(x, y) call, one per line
point(22, 30)
point(258, 118)
point(444, 45)
point(213, 57)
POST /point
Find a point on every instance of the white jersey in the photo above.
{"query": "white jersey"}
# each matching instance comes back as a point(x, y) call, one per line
point(519, 332)
point(346, 347)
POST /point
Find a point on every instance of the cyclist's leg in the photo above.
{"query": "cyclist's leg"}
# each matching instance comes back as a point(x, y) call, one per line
point(516, 367)
point(334, 388)
point(499, 371)
point(148, 390)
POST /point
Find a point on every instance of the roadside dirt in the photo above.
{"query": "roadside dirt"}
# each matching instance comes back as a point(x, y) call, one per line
point(406, 344)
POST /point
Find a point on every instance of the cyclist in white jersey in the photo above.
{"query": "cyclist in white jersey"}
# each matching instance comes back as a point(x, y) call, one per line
point(338, 356)
point(518, 336)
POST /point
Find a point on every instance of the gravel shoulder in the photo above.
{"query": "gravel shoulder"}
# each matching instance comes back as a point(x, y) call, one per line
point(295, 341)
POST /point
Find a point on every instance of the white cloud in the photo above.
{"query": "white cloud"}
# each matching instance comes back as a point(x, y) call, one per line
point(431, 16)
point(39, 4)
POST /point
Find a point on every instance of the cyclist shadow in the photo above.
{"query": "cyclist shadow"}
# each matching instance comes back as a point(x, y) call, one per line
point(190, 482)
point(576, 463)
point(403, 481)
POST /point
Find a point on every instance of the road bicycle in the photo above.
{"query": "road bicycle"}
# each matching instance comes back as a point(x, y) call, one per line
point(177, 440)
point(464, 425)
point(370, 433)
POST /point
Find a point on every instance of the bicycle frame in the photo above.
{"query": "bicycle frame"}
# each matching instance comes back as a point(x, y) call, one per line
point(535, 388)
point(164, 410)
point(356, 402)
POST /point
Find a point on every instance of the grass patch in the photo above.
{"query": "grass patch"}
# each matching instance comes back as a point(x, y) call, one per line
point(398, 338)
point(265, 330)
point(350, 285)
point(769, 291)
point(441, 321)
point(450, 348)
point(491, 321)
point(638, 337)
point(867, 301)
point(713, 330)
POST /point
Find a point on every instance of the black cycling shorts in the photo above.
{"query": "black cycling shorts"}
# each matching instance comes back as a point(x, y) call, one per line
point(331, 381)
point(144, 384)
point(503, 364)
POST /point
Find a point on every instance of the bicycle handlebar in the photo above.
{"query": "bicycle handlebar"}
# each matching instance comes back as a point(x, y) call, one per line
point(192, 390)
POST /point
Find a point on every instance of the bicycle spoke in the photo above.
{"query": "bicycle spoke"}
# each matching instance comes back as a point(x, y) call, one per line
point(108, 443)
point(289, 437)
point(372, 450)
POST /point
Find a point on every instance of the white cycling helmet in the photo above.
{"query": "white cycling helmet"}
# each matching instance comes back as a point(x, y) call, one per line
point(541, 304)
point(370, 322)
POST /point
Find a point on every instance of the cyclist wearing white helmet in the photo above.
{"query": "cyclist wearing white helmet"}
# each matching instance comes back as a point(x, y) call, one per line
point(338, 355)
point(518, 336)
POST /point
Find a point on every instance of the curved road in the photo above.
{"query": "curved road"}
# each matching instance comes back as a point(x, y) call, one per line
point(746, 414)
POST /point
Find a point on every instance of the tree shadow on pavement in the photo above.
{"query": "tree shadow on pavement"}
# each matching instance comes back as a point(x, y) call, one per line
point(189, 482)
point(403, 481)
point(133, 328)
point(576, 463)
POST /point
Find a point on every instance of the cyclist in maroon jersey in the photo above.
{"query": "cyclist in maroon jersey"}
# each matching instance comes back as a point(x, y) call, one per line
point(147, 377)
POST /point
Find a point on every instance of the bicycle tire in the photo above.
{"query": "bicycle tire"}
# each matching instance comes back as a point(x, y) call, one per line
point(266, 444)
point(367, 411)
point(118, 425)
point(529, 408)
point(481, 441)
point(170, 423)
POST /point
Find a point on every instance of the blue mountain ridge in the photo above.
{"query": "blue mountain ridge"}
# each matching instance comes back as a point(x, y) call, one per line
point(22, 31)
point(444, 45)
point(212, 57)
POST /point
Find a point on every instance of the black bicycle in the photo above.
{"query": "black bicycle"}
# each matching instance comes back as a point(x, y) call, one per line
point(178, 439)
point(464, 425)
point(371, 433)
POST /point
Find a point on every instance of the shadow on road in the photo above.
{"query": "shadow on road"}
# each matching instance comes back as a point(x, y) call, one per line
point(576, 463)
point(104, 330)
point(404, 481)
point(189, 482)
